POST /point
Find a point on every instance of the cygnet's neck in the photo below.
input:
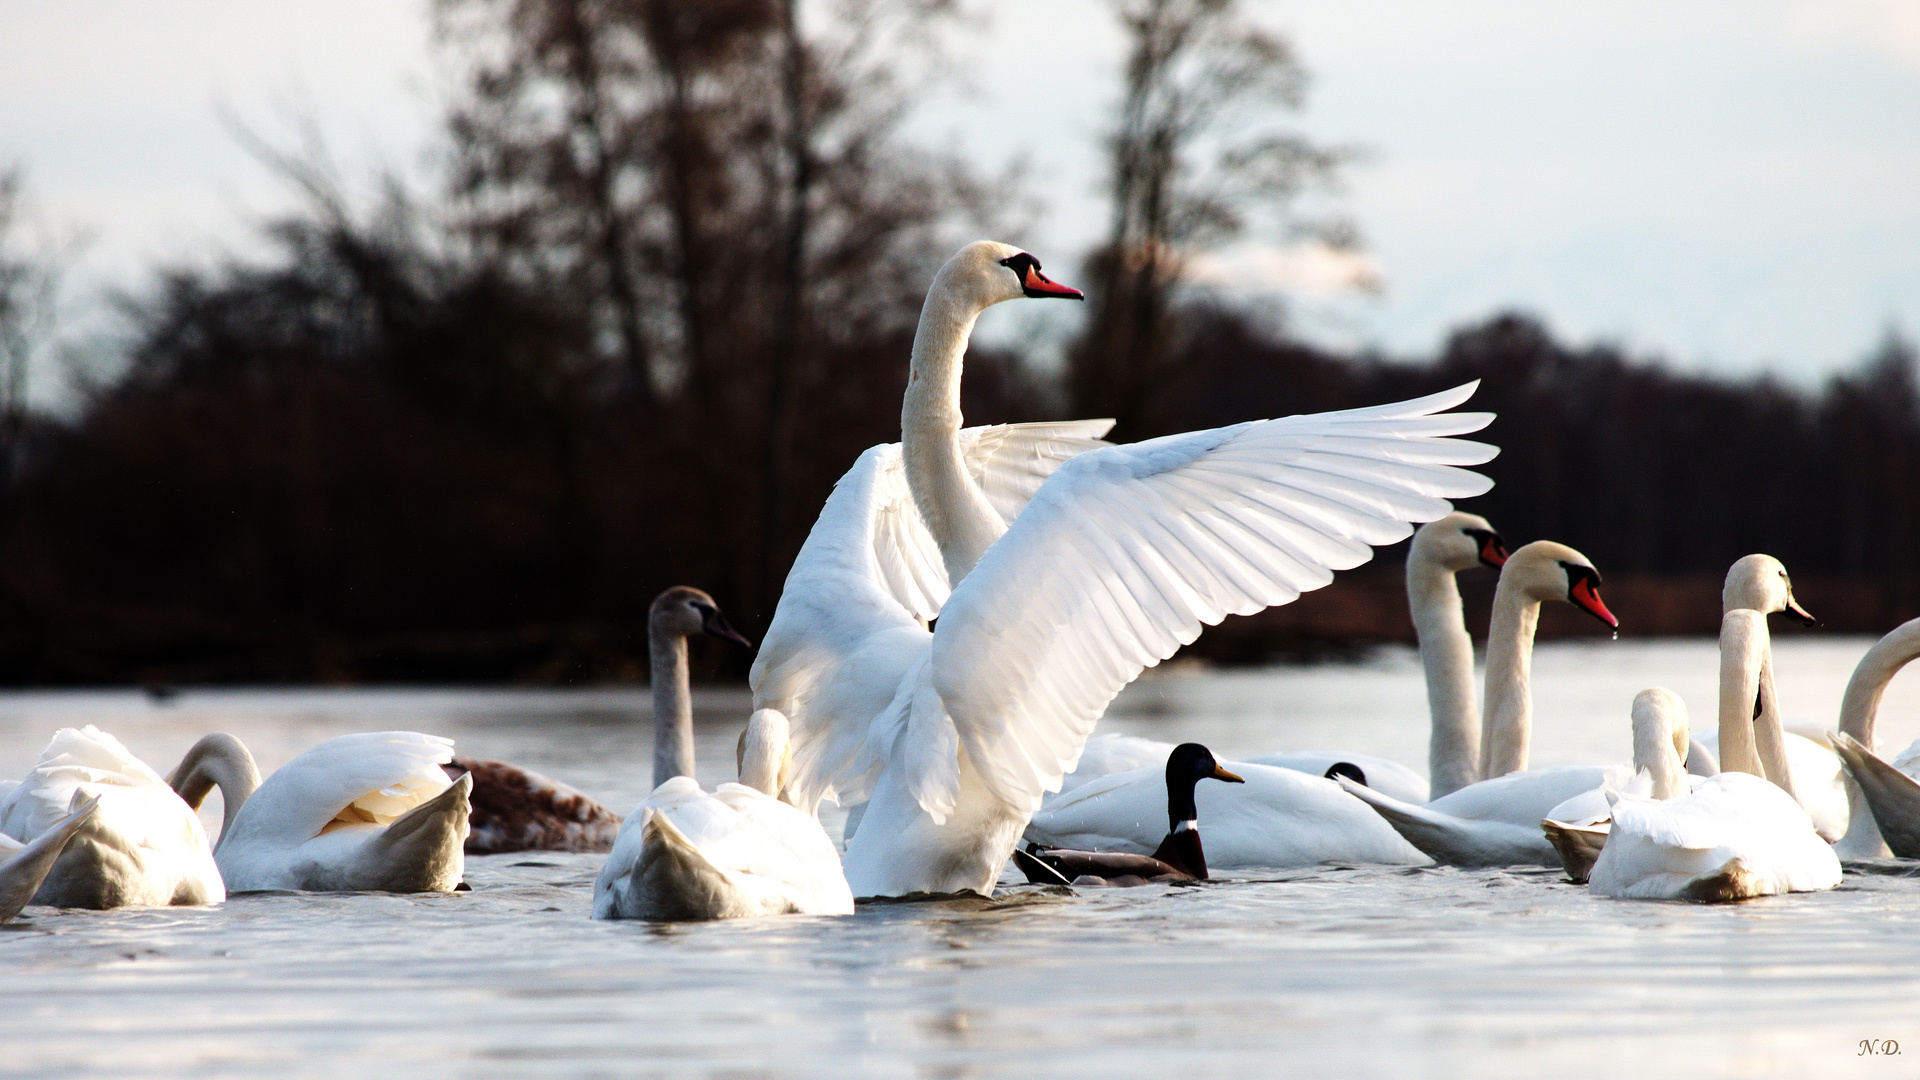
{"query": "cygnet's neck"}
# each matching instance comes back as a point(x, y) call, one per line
point(956, 512)
point(1504, 743)
point(1446, 652)
point(672, 704)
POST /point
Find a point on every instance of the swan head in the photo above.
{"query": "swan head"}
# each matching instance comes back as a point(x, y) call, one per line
point(987, 272)
point(1544, 570)
point(684, 611)
point(1760, 583)
point(1460, 541)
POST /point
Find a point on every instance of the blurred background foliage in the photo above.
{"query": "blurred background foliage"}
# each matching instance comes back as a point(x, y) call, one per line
point(666, 296)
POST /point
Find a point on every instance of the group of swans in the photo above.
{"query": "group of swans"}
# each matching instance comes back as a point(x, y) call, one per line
point(97, 828)
point(1058, 570)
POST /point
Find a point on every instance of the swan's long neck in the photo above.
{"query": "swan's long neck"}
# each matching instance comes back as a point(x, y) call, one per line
point(672, 706)
point(956, 512)
point(217, 760)
point(1654, 746)
point(1446, 652)
point(1751, 739)
point(1509, 726)
point(1859, 709)
point(763, 754)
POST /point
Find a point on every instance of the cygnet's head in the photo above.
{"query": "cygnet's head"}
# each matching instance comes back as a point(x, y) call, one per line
point(1545, 570)
point(1760, 583)
point(987, 272)
point(685, 611)
point(1459, 541)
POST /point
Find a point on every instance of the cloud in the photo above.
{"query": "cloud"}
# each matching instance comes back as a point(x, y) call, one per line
point(1311, 268)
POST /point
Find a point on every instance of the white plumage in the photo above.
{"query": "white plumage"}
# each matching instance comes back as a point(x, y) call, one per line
point(143, 846)
point(1736, 836)
point(1118, 558)
point(365, 811)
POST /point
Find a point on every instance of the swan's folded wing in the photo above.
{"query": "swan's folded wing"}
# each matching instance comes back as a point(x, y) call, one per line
point(367, 778)
point(1126, 552)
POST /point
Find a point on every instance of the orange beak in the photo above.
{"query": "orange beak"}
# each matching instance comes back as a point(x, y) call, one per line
point(1038, 284)
point(1588, 599)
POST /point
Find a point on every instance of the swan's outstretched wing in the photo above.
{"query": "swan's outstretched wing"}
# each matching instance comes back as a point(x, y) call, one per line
point(866, 582)
point(369, 778)
point(1127, 551)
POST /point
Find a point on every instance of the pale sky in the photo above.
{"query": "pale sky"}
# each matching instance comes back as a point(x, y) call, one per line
point(1733, 185)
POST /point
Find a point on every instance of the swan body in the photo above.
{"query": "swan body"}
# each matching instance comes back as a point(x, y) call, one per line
point(1496, 821)
point(1109, 753)
point(1279, 817)
point(142, 847)
point(684, 854)
point(1883, 803)
point(23, 867)
point(1057, 576)
point(370, 811)
point(517, 809)
point(1734, 837)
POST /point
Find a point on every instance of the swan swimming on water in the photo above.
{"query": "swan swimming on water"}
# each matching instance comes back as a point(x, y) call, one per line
point(142, 846)
point(1072, 567)
point(1496, 822)
point(736, 853)
point(367, 811)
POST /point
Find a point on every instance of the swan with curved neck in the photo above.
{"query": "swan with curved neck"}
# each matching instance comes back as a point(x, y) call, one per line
point(1884, 799)
point(957, 513)
point(1578, 827)
point(1440, 550)
point(1496, 821)
point(1056, 577)
point(368, 811)
point(1538, 572)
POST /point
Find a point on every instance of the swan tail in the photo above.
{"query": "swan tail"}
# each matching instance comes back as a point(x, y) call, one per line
point(1457, 841)
point(675, 881)
point(1734, 881)
point(22, 873)
point(1579, 846)
point(1892, 796)
point(422, 850)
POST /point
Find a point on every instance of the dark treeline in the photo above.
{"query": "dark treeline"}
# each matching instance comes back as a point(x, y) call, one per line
point(667, 297)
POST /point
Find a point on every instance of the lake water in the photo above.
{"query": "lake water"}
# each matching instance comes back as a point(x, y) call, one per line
point(1339, 971)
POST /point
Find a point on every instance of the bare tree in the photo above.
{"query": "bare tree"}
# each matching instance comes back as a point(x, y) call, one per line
point(30, 274)
point(1194, 161)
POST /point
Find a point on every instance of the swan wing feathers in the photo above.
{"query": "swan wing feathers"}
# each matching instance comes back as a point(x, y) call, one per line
point(139, 806)
point(1126, 552)
point(865, 583)
point(368, 778)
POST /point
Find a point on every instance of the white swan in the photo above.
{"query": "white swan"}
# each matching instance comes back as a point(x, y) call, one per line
point(1064, 586)
point(1884, 796)
point(143, 846)
point(23, 867)
point(1440, 550)
point(738, 853)
point(1496, 822)
point(1277, 817)
point(1736, 836)
point(367, 811)
point(1578, 827)
point(1758, 586)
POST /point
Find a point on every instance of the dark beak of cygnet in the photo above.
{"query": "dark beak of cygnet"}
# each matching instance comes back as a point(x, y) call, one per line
point(1802, 614)
point(717, 625)
point(1219, 773)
